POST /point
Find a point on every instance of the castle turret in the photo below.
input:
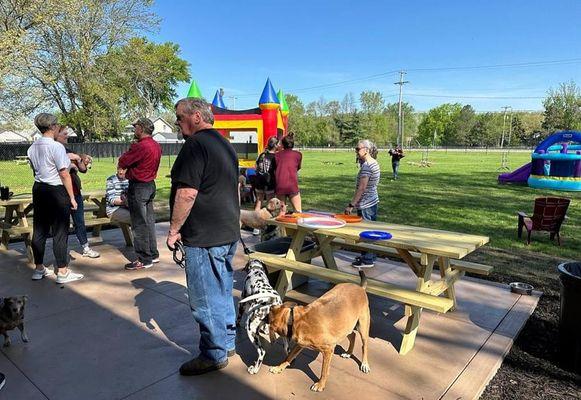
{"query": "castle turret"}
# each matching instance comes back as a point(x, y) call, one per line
point(194, 90)
point(218, 101)
point(270, 106)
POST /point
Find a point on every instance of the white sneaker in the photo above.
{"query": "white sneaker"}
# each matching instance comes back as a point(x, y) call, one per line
point(69, 277)
point(155, 260)
point(38, 275)
point(88, 252)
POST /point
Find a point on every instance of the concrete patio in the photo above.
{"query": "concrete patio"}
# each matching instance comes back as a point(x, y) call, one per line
point(123, 335)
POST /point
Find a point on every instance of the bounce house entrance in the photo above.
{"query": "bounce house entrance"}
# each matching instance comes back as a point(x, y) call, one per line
point(245, 142)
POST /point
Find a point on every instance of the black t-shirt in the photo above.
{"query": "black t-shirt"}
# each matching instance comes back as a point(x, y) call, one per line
point(208, 162)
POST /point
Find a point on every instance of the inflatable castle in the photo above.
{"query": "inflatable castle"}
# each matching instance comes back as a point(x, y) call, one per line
point(250, 130)
point(555, 164)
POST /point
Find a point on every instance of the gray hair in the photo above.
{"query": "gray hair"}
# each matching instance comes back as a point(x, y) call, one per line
point(369, 145)
point(44, 121)
point(193, 104)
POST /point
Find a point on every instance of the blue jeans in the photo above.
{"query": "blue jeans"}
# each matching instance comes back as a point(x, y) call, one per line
point(395, 167)
point(79, 220)
point(369, 214)
point(209, 277)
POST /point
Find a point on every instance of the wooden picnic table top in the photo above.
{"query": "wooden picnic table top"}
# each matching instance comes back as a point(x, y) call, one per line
point(27, 198)
point(413, 238)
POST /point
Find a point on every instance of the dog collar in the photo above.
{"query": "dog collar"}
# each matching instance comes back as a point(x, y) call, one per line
point(290, 322)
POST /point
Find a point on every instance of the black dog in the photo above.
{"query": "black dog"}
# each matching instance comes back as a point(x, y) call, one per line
point(12, 316)
point(257, 298)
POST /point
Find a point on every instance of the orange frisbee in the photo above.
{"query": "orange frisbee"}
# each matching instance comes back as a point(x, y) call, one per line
point(350, 219)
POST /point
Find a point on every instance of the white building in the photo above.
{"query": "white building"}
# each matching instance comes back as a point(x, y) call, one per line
point(13, 137)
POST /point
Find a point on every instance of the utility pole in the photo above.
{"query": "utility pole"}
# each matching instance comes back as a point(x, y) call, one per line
point(510, 127)
point(399, 114)
point(503, 125)
point(234, 101)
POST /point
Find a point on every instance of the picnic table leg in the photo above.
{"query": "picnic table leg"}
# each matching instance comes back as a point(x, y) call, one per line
point(126, 229)
point(326, 250)
point(445, 270)
point(8, 215)
point(100, 213)
point(414, 313)
point(284, 277)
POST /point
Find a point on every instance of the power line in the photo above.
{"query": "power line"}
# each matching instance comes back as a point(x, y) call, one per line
point(474, 97)
point(432, 69)
point(523, 64)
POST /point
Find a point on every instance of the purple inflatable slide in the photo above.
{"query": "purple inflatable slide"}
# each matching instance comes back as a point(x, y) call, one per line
point(519, 175)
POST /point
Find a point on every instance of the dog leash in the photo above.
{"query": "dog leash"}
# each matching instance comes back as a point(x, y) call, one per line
point(179, 254)
point(247, 251)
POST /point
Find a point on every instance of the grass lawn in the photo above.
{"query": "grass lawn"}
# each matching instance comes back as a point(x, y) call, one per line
point(459, 192)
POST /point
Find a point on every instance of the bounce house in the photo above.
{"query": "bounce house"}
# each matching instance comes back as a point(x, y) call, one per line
point(250, 130)
point(555, 164)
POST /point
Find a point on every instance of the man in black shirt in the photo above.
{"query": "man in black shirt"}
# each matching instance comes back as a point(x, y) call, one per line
point(205, 216)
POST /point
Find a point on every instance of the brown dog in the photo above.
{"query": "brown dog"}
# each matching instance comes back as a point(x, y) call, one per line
point(257, 219)
point(322, 324)
point(12, 316)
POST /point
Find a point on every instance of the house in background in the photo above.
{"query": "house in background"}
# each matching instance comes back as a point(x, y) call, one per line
point(167, 137)
point(13, 137)
point(162, 132)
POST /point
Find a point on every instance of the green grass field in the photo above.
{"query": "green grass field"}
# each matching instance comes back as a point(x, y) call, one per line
point(459, 192)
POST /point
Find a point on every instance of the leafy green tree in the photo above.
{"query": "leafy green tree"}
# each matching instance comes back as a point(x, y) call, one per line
point(461, 126)
point(437, 124)
point(563, 108)
point(371, 102)
point(518, 133)
point(410, 122)
point(56, 61)
point(483, 132)
point(349, 128)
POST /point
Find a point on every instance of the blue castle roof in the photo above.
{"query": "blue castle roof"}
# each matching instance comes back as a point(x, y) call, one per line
point(268, 94)
point(218, 101)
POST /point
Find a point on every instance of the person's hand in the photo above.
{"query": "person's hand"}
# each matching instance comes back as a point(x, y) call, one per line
point(348, 210)
point(172, 238)
point(73, 204)
point(123, 199)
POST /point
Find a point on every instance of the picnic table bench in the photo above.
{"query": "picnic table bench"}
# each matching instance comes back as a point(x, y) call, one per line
point(420, 248)
point(21, 159)
point(16, 222)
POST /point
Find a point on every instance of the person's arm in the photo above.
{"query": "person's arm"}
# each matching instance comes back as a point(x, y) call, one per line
point(363, 181)
point(131, 156)
point(66, 179)
point(183, 203)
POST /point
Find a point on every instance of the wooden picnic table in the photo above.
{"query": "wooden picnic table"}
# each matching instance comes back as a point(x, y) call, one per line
point(18, 208)
point(420, 248)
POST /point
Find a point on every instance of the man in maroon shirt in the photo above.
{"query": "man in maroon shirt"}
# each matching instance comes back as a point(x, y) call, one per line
point(142, 162)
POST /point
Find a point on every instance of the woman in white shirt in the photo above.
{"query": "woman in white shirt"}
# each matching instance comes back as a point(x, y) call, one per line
point(52, 199)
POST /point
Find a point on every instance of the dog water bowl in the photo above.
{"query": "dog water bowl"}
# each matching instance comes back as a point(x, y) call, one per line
point(521, 288)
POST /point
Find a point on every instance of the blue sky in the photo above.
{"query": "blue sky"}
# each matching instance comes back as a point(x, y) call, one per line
point(236, 45)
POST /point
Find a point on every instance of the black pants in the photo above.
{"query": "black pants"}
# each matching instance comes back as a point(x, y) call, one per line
point(140, 197)
point(52, 211)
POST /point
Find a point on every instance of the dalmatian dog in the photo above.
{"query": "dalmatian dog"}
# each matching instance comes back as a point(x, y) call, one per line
point(258, 297)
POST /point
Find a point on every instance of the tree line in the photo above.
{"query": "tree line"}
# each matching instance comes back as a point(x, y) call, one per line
point(334, 123)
